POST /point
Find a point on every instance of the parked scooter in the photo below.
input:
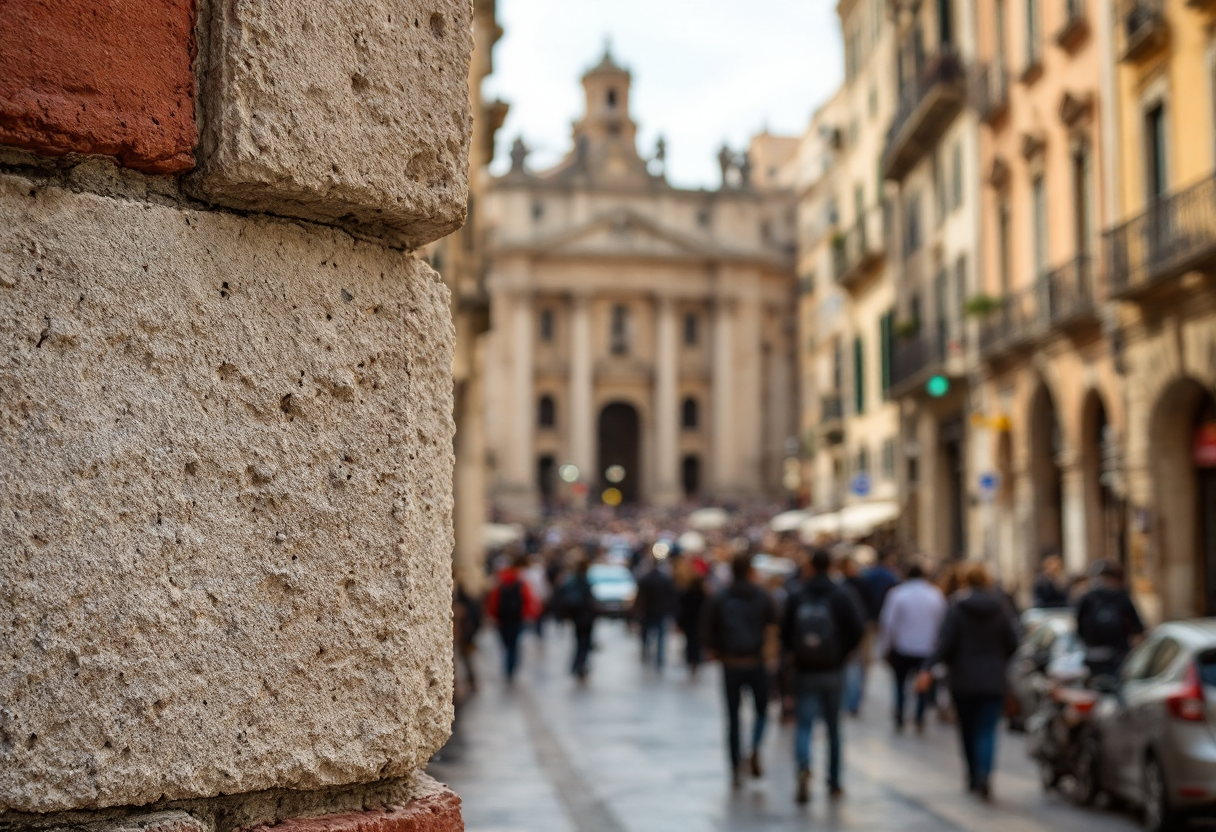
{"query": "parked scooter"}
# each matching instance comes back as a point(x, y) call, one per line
point(1060, 737)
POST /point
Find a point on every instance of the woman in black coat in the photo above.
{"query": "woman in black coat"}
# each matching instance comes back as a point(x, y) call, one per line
point(689, 608)
point(976, 642)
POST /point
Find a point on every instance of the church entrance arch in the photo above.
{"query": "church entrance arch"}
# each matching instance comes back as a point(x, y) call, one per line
point(619, 444)
point(1046, 477)
point(1184, 473)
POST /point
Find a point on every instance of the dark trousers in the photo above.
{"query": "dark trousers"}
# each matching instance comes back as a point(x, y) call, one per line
point(654, 631)
point(510, 647)
point(735, 679)
point(818, 696)
point(978, 717)
point(582, 649)
point(693, 653)
point(904, 667)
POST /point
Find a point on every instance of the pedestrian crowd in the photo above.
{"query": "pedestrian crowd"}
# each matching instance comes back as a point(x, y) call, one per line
point(794, 627)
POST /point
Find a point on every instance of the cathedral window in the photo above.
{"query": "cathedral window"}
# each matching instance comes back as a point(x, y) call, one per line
point(689, 414)
point(538, 210)
point(619, 343)
point(546, 412)
point(611, 99)
point(691, 334)
point(546, 325)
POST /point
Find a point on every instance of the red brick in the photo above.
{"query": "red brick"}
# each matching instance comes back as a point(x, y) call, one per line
point(110, 77)
point(436, 812)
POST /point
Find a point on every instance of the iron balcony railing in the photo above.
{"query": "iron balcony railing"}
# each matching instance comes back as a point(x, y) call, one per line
point(1012, 325)
point(1175, 235)
point(914, 357)
point(831, 408)
point(860, 248)
point(991, 93)
point(1142, 27)
point(924, 106)
point(1066, 294)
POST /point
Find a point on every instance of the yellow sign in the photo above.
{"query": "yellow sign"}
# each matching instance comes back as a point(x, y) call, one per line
point(998, 422)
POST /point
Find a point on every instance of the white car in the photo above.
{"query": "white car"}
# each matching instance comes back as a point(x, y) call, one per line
point(613, 587)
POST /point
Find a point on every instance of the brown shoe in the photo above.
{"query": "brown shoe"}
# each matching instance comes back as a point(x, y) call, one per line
point(835, 792)
point(754, 760)
point(803, 795)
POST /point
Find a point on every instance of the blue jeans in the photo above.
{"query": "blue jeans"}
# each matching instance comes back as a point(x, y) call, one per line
point(654, 630)
point(582, 649)
point(735, 680)
point(510, 648)
point(904, 669)
point(818, 696)
point(854, 685)
point(978, 717)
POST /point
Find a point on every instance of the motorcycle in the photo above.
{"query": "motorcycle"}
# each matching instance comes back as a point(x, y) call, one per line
point(1061, 739)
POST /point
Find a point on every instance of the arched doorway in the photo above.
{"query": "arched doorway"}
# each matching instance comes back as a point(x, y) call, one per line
point(1105, 527)
point(1183, 439)
point(619, 438)
point(690, 476)
point(1046, 477)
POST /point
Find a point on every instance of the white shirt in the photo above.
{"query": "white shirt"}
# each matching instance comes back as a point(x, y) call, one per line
point(911, 617)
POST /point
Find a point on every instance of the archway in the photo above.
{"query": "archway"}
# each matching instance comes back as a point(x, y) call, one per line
point(1045, 477)
point(619, 439)
point(690, 476)
point(1183, 439)
point(1105, 526)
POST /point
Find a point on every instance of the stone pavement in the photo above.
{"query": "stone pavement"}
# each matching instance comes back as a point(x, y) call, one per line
point(634, 751)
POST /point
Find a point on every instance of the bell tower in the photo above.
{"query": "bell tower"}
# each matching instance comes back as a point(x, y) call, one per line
point(605, 138)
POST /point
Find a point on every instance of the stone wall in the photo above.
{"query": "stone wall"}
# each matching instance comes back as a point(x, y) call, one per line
point(225, 411)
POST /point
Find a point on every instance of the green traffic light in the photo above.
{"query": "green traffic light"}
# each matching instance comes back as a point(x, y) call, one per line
point(937, 386)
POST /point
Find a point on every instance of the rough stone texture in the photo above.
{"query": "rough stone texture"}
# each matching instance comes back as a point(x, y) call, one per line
point(437, 810)
point(108, 77)
point(224, 504)
point(342, 111)
point(154, 822)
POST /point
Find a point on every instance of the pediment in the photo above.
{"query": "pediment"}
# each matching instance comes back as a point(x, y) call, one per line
point(624, 233)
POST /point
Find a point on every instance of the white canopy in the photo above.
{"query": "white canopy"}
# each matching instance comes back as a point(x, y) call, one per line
point(706, 519)
point(818, 524)
point(856, 520)
point(788, 521)
point(494, 535)
point(691, 542)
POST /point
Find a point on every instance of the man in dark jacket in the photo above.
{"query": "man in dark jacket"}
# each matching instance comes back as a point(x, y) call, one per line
point(976, 641)
point(576, 604)
point(1107, 620)
point(653, 607)
point(1047, 592)
point(823, 625)
point(736, 624)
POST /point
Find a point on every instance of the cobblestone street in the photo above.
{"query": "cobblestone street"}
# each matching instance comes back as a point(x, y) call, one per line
point(638, 752)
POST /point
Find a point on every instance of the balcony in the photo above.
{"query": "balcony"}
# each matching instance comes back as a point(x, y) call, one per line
point(915, 359)
point(1067, 294)
point(926, 108)
point(857, 252)
point(1175, 236)
point(831, 418)
point(1076, 26)
point(1015, 325)
point(992, 93)
point(1142, 28)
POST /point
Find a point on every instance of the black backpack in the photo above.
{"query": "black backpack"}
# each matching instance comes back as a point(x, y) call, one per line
point(572, 599)
point(742, 623)
point(1105, 626)
point(816, 640)
point(511, 603)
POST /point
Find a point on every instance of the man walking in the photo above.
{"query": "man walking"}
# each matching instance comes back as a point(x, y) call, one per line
point(1047, 592)
point(911, 619)
point(511, 604)
point(576, 604)
point(737, 621)
point(822, 627)
point(653, 607)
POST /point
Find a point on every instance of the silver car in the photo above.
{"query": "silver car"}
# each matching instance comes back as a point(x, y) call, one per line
point(1156, 731)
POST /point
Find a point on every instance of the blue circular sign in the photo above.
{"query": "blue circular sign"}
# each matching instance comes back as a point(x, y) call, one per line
point(990, 481)
point(860, 484)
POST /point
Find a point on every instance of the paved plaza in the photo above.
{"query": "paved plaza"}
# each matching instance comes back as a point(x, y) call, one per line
point(635, 751)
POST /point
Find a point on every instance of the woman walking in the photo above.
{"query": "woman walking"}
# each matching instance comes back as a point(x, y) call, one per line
point(976, 642)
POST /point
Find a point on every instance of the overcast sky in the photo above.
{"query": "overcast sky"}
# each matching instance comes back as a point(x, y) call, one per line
point(704, 72)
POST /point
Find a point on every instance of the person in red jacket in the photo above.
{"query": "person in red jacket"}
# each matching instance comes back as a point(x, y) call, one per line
point(511, 603)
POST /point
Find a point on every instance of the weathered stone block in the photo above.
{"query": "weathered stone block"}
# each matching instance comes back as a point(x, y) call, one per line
point(154, 822)
point(224, 504)
point(100, 76)
point(437, 809)
point(342, 111)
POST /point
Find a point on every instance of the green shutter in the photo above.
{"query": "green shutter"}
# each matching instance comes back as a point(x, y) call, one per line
point(859, 377)
point(886, 331)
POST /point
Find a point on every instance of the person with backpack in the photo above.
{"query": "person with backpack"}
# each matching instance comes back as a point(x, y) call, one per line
point(977, 639)
point(1107, 620)
point(823, 625)
point(575, 603)
point(690, 606)
point(511, 604)
point(654, 605)
point(737, 622)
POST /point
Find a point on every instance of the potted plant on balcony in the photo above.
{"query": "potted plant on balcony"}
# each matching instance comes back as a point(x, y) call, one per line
point(907, 328)
point(982, 305)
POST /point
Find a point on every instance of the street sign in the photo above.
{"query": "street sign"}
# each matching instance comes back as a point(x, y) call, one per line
point(860, 484)
point(990, 481)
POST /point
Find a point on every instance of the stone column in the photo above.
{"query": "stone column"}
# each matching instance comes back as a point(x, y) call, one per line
point(518, 465)
point(748, 399)
point(469, 506)
point(582, 416)
point(1072, 506)
point(666, 406)
point(722, 434)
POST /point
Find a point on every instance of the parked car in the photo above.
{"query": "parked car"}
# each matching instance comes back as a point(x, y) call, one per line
point(613, 587)
point(1048, 636)
point(1155, 731)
